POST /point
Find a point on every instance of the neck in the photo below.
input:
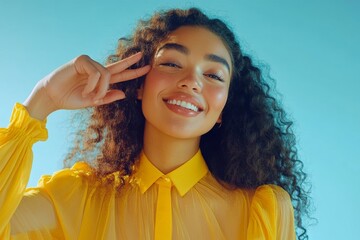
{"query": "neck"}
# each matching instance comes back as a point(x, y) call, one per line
point(166, 152)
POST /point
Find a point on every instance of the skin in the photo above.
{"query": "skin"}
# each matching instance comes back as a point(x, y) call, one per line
point(182, 70)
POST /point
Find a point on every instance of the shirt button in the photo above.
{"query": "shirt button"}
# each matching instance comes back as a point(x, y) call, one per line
point(167, 179)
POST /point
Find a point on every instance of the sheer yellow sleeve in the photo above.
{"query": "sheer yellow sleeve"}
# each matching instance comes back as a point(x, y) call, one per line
point(53, 209)
point(271, 214)
point(15, 161)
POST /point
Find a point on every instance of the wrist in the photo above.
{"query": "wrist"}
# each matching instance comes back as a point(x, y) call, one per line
point(38, 104)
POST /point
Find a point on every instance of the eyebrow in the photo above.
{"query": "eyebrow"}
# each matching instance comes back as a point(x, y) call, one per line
point(186, 51)
point(175, 46)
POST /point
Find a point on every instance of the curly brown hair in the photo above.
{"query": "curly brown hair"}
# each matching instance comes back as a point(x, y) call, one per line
point(254, 145)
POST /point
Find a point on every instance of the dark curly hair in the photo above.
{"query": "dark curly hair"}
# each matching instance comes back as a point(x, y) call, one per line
point(253, 146)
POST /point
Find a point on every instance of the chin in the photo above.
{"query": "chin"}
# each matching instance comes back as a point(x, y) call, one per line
point(185, 133)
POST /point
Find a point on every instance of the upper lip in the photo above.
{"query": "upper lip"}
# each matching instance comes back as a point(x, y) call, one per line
point(185, 97)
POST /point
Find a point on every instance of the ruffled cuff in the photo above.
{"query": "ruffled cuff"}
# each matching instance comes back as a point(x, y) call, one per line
point(22, 123)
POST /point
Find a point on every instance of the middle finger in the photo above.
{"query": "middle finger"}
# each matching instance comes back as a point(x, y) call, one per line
point(129, 74)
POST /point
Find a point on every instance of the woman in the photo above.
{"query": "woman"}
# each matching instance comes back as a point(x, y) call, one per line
point(196, 148)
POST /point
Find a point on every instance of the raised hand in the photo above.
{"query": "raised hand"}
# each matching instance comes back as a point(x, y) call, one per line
point(81, 83)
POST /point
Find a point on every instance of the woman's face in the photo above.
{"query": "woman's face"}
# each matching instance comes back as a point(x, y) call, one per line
point(186, 90)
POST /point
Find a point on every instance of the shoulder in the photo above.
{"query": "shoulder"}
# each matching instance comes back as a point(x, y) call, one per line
point(270, 193)
point(78, 176)
point(271, 213)
point(271, 199)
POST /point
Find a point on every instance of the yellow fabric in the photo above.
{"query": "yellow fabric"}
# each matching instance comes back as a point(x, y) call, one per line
point(163, 220)
point(187, 203)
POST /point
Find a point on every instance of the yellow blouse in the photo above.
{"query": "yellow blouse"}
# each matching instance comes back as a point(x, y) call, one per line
point(187, 203)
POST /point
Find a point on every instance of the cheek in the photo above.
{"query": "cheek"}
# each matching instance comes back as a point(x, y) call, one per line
point(152, 82)
point(217, 97)
point(156, 78)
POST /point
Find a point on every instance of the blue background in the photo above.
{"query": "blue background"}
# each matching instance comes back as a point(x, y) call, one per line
point(312, 48)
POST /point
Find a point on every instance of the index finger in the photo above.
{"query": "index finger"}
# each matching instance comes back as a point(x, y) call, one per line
point(129, 74)
point(124, 63)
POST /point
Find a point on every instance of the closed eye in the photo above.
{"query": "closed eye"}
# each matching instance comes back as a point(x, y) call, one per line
point(170, 64)
point(214, 76)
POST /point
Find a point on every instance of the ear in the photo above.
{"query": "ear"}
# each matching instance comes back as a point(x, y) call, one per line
point(140, 92)
point(219, 119)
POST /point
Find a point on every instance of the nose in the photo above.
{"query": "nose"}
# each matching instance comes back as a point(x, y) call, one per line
point(191, 81)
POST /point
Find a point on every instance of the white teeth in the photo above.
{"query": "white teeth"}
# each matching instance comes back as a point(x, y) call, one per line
point(183, 104)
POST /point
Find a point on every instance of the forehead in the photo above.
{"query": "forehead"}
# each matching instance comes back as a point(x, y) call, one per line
point(198, 40)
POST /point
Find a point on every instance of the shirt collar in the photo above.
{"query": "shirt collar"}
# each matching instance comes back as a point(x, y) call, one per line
point(183, 178)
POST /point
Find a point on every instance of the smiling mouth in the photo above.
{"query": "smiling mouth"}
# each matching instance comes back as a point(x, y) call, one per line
point(184, 104)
